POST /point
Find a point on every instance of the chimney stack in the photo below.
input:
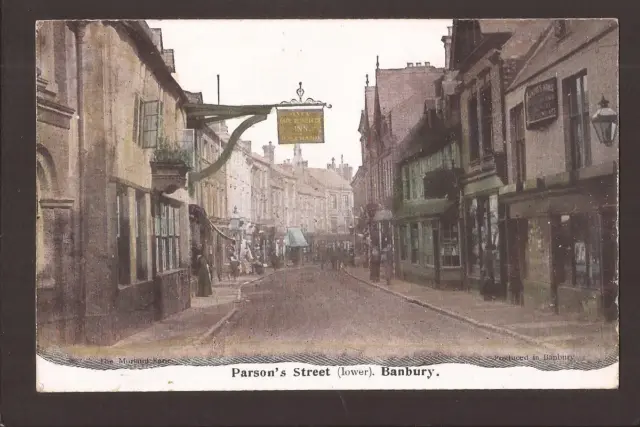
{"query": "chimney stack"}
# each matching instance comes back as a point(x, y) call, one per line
point(409, 64)
point(447, 47)
point(269, 152)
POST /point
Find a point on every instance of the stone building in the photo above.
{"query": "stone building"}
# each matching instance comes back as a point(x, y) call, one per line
point(117, 174)
point(486, 54)
point(561, 192)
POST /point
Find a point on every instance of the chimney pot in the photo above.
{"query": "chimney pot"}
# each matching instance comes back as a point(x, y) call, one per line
point(419, 64)
point(427, 64)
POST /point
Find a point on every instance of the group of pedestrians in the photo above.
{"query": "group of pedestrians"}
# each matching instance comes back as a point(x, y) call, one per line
point(337, 256)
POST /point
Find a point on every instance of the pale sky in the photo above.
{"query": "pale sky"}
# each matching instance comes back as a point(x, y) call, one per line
point(262, 61)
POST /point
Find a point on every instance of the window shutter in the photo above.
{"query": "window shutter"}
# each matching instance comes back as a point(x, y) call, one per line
point(136, 120)
point(151, 124)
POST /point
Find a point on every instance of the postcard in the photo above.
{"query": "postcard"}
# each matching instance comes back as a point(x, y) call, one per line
point(327, 204)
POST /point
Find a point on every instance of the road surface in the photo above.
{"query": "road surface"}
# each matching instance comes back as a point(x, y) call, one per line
point(313, 311)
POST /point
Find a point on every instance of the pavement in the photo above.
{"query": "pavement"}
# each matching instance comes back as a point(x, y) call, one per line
point(190, 326)
point(550, 330)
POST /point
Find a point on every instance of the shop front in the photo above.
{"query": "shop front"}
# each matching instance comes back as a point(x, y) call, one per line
point(484, 222)
point(564, 245)
point(428, 243)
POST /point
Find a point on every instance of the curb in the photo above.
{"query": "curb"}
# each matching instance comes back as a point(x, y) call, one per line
point(215, 328)
point(487, 326)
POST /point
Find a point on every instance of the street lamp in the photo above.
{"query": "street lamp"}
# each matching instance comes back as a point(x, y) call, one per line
point(605, 122)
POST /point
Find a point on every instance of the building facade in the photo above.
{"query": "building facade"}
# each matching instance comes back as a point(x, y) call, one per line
point(130, 223)
point(486, 54)
point(562, 209)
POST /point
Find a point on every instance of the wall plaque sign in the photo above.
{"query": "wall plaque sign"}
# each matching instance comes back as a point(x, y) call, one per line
point(541, 102)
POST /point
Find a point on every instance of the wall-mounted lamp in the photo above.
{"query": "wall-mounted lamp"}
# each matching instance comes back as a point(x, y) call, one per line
point(605, 122)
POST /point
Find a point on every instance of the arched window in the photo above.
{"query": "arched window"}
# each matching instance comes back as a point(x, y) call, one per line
point(43, 271)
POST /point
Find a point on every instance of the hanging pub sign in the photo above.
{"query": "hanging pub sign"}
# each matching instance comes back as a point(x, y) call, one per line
point(301, 126)
point(541, 102)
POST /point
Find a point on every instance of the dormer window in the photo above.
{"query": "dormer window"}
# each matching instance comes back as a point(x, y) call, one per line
point(560, 28)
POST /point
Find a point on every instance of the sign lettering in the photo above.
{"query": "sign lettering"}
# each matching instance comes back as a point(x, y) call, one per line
point(541, 102)
point(301, 126)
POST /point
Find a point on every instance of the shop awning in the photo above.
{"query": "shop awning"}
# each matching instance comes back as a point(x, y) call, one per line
point(294, 238)
point(217, 230)
point(429, 207)
point(199, 213)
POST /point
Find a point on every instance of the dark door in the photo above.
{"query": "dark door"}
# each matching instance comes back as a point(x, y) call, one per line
point(436, 250)
point(609, 257)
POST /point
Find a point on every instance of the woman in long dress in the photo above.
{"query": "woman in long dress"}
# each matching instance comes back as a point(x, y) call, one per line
point(204, 277)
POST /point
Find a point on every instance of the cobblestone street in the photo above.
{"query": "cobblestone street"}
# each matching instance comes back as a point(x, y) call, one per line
point(315, 311)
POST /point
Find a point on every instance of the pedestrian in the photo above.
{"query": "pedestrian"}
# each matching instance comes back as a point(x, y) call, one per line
point(387, 262)
point(204, 277)
point(375, 264)
point(487, 272)
point(234, 264)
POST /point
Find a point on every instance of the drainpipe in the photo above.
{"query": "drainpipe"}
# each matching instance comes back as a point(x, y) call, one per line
point(80, 29)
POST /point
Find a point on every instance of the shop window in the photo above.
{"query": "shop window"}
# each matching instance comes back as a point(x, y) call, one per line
point(517, 143)
point(167, 236)
point(427, 249)
point(494, 232)
point(414, 243)
point(578, 251)
point(486, 109)
point(122, 235)
point(449, 245)
point(577, 101)
point(474, 132)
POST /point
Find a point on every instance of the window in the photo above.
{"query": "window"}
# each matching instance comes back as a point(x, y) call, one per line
point(577, 101)
point(449, 245)
point(578, 250)
point(122, 236)
point(334, 202)
point(414, 181)
point(167, 236)
point(517, 138)
point(427, 239)
point(474, 142)
point(152, 123)
point(186, 140)
point(487, 120)
point(345, 201)
point(334, 224)
point(415, 237)
point(141, 236)
point(406, 183)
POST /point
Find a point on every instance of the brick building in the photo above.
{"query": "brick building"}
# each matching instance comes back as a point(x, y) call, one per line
point(563, 206)
point(112, 181)
point(486, 55)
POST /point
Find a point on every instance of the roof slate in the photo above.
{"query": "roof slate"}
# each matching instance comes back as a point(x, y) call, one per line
point(329, 179)
point(552, 49)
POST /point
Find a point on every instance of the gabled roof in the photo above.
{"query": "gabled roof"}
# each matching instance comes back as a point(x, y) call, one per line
point(395, 86)
point(552, 50)
point(329, 179)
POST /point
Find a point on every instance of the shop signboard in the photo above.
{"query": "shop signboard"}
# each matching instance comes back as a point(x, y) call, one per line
point(300, 126)
point(541, 102)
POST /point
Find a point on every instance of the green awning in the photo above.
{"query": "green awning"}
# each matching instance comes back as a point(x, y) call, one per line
point(428, 207)
point(294, 238)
